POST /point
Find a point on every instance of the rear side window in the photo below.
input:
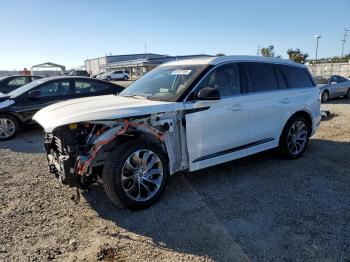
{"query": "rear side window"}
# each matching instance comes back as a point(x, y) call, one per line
point(295, 77)
point(261, 77)
point(84, 87)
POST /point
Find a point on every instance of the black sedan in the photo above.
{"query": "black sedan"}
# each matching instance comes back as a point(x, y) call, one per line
point(18, 107)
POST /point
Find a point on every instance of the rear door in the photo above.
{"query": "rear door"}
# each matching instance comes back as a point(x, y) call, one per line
point(267, 105)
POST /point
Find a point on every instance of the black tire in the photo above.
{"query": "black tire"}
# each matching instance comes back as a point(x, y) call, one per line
point(109, 78)
point(125, 78)
point(284, 139)
point(16, 126)
point(112, 173)
point(324, 96)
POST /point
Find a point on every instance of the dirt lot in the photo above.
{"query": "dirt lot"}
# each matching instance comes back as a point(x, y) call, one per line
point(261, 208)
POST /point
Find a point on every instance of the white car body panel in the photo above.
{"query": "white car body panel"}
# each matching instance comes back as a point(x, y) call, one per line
point(221, 127)
point(99, 108)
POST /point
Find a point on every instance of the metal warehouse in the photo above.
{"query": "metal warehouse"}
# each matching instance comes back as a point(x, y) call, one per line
point(136, 64)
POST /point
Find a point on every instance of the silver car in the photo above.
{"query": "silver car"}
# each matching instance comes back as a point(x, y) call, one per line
point(335, 86)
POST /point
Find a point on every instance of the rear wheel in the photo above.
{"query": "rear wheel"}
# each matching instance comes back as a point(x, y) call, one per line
point(135, 174)
point(295, 137)
point(324, 96)
point(8, 127)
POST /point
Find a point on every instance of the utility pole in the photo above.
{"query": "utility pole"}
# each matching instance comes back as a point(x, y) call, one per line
point(317, 39)
point(344, 40)
point(145, 48)
point(258, 50)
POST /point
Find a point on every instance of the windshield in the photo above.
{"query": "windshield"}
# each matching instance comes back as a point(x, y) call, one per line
point(25, 88)
point(165, 83)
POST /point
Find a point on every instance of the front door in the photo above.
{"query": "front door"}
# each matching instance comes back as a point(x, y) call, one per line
point(217, 130)
point(49, 93)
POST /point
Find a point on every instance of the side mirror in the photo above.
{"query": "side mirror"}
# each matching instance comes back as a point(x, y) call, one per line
point(34, 94)
point(209, 93)
point(333, 83)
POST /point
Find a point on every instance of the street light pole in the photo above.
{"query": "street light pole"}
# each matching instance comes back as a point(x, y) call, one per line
point(317, 39)
point(344, 40)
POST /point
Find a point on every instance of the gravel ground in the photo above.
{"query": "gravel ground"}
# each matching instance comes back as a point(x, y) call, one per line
point(260, 208)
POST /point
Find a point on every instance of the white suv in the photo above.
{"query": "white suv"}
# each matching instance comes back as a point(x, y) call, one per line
point(116, 75)
point(182, 116)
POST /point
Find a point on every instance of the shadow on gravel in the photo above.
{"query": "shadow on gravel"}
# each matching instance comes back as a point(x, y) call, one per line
point(338, 101)
point(28, 140)
point(275, 209)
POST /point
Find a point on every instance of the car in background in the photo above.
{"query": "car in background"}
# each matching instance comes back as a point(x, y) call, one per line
point(18, 107)
point(11, 83)
point(332, 87)
point(116, 75)
point(79, 73)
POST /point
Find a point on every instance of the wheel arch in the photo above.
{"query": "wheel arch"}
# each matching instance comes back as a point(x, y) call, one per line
point(304, 114)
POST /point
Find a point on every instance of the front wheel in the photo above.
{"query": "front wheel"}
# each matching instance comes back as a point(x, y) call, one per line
point(125, 78)
point(295, 137)
point(135, 174)
point(8, 127)
point(109, 78)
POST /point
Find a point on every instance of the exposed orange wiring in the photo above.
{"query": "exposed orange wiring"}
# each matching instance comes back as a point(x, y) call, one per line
point(97, 146)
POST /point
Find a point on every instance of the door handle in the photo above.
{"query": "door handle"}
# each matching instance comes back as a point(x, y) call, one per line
point(284, 100)
point(235, 107)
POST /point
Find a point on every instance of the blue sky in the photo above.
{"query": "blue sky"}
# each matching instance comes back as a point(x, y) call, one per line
point(68, 32)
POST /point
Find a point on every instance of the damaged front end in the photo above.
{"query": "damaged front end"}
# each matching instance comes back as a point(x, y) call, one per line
point(77, 152)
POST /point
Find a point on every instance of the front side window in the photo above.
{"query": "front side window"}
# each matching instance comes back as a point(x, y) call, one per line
point(225, 79)
point(261, 77)
point(296, 77)
point(56, 88)
point(165, 83)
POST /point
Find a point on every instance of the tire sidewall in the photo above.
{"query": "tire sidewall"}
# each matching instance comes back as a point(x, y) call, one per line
point(284, 137)
point(112, 174)
point(15, 121)
point(322, 96)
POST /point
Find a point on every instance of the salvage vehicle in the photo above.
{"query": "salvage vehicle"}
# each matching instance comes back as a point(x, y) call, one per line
point(18, 107)
point(332, 87)
point(184, 115)
point(11, 83)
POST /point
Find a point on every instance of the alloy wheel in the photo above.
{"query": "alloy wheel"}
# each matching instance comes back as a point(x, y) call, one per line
point(297, 137)
point(7, 128)
point(142, 175)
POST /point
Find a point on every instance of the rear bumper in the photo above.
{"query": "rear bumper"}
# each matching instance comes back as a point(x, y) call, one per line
point(316, 125)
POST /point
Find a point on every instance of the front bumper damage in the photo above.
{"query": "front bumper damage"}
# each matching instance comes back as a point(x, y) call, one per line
point(74, 158)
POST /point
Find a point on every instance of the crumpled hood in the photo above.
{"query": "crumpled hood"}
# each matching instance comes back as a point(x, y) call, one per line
point(99, 108)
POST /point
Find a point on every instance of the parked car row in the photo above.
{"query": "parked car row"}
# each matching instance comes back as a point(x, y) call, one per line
point(184, 115)
point(333, 87)
point(18, 107)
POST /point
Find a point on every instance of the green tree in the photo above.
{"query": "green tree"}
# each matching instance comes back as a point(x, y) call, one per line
point(220, 54)
point(297, 56)
point(268, 51)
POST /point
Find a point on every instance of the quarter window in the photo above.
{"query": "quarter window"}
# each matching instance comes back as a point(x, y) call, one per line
point(296, 77)
point(261, 77)
point(225, 79)
point(83, 87)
